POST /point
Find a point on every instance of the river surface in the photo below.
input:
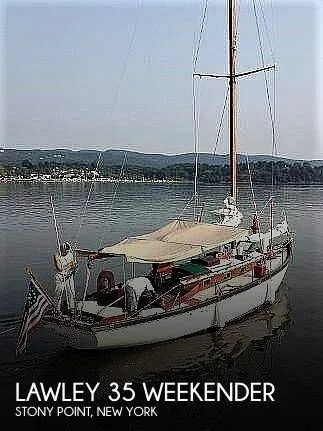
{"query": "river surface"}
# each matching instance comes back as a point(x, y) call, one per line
point(282, 345)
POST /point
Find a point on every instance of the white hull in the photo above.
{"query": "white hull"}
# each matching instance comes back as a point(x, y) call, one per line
point(176, 324)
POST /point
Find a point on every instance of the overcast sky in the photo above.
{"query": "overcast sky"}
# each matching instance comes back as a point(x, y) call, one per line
point(89, 75)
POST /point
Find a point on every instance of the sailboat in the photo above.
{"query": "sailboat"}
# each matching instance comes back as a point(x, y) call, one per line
point(203, 274)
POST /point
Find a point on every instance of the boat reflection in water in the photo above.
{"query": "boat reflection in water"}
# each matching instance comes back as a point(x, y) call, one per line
point(212, 356)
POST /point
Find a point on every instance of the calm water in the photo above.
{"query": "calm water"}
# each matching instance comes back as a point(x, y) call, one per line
point(283, 346)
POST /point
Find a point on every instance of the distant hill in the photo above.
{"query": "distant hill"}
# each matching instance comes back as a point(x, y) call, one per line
point(115, 157)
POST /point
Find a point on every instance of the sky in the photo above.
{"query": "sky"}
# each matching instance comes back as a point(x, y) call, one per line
point(100, 75)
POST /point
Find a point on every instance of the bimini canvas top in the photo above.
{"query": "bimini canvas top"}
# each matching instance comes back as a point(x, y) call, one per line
point(176, 241)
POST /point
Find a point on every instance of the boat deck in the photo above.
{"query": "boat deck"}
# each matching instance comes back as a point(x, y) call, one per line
point(233, 283)
point(204, 287)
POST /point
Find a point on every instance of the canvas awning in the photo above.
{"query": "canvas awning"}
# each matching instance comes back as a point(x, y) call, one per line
point(178, 240)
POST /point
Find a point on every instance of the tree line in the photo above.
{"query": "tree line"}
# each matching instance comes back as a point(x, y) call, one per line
point(262, 172)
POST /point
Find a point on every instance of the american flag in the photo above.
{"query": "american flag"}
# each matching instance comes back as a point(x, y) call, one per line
point(36, 303)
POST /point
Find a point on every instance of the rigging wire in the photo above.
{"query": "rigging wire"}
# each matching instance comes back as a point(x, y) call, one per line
point(266, 27)
point(198, 44)
point(266, 205)
point(254, 202)
point(112, 107)
point(126, 60)
point(271, 109)
point(274, 146)
point(186, 206)
point(83, 213)
point(274, 150)
point(220, 128)
point(196, 136)
point(238, 15)
point(195, 108)
point(116, 189)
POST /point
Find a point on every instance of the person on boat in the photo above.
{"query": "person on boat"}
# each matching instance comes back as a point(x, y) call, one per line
point(65, 248)
point(66, 265)
point(105, 281)
point(65, 259)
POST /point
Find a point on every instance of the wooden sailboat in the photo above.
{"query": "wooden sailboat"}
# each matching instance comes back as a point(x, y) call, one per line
point(203, 274)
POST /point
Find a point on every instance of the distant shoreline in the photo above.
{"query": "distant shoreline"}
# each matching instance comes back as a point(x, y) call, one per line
point(97, 180)
point(129, 181)
point(262, 172)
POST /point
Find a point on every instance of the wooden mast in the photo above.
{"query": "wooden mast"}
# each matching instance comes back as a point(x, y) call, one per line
point(233, 95)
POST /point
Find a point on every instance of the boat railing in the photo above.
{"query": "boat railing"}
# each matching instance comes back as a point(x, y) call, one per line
point(153, 301)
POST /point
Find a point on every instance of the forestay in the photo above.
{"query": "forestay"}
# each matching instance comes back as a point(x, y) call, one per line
point(176, 241)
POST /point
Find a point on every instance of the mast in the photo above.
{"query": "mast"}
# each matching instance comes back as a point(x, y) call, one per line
point(232, 24)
